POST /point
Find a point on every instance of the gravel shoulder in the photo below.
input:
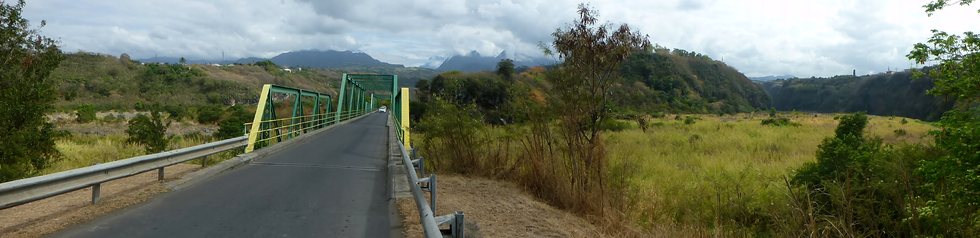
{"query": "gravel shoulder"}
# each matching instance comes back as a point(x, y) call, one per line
point(49, 215)
point(496, 209)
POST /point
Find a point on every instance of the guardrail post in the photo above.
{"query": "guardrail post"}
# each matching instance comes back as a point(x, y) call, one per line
point(458, 227)
point(421, 165)
point(96, 189)
point(160, 174)
point(432, 193)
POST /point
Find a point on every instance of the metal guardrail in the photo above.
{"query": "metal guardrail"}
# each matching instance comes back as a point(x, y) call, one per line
point(430, 223)
point(27, 190)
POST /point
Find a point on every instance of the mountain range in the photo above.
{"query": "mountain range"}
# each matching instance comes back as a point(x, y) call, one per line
point(332, 59)
point(474, 62)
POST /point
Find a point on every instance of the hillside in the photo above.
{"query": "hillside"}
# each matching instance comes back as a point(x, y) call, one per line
point(681, 81)
point(474, 62)
point(889, 94)
point(328, 59)
point(107, 82)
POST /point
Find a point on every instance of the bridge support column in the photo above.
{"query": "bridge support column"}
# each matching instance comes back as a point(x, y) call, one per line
point(406, 139)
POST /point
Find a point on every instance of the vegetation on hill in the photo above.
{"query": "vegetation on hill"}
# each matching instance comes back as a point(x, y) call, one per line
point(889, 94)
point(675, 81)
point(107, 82)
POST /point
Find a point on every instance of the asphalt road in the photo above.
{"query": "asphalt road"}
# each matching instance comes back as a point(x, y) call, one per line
point(332, 185)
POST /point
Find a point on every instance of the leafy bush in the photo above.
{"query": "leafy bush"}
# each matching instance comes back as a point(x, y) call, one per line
point(85, 113)
point(779, 121)
point(230, 128)
point(149, 131)
point(208, 114)
point(859, 187)
point(689, 120)
point(614, 125)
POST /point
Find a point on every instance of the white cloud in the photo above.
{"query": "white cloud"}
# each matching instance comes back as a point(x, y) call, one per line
point(758, 37)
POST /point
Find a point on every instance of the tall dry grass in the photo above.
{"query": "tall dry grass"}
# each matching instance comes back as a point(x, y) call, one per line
point(79, 151)
point(720, 176)
point(725, 175)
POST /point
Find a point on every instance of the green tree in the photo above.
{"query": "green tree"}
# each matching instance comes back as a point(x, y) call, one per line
point(233, 125)
point(149, 131)
point(26, 94)
point(505, 68)
point(85, 113)
point(953, 180)
point(591, 55)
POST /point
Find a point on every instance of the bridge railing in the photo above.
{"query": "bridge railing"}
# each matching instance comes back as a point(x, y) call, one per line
point(309, 110)
point(27, 190)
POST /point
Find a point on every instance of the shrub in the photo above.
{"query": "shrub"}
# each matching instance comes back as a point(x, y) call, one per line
point(230, 128)
point(149, 131)
point(208, 114)
point(85, 113)
point(780, 121)
point(614, 125)
point(176, 112)
point(689, 120)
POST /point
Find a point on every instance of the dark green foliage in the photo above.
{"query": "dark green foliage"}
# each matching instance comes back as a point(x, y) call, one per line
point(685, 82)
point(208, 114)
point(487, 91)
point(149, 131)
point(953, 179)
point(176, 112)
point(230, 128)
point(506, 69)
point(838, 181)
point(614, 125)
point(85, 113)
point(903, 121)
point(690, 120)
point(268, 65)
point(234, 123)
point(881, 94)
point(778, 121)
point(26, 94)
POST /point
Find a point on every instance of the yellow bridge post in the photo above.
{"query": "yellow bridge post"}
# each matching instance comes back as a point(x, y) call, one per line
point(404, 117)
point(253, 134)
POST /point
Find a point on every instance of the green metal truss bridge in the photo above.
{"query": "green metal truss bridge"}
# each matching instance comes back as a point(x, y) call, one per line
point(309, 164)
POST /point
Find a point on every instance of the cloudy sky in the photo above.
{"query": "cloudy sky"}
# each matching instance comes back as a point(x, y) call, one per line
point(758, 37)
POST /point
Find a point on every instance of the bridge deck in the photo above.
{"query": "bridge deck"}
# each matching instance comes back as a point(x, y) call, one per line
point(332, 185)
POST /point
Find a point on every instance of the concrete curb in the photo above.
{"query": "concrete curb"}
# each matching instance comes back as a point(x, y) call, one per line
point(242, 159)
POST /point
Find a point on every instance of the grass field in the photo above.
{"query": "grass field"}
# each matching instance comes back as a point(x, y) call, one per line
point(724, 175)
point(81, 150)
